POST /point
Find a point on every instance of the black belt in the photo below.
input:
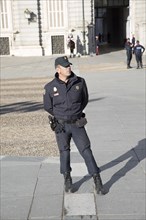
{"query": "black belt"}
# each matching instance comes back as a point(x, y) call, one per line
point(67, 121)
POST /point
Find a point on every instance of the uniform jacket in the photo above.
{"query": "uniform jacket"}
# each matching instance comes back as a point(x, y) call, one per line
point(66, 100)
point(139, 49)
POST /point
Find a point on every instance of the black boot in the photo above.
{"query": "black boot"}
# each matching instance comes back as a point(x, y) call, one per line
point(67, 182)
point(98, 184)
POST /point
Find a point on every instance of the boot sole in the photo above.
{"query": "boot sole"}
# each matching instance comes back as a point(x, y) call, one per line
point(101, 192)
point(68, 191)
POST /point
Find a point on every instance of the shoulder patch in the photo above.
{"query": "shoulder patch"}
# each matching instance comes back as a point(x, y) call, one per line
point(77, 87)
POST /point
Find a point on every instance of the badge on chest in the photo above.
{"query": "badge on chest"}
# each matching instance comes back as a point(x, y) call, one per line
point(55, 91)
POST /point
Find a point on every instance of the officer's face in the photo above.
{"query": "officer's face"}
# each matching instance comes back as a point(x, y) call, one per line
point(64, 71)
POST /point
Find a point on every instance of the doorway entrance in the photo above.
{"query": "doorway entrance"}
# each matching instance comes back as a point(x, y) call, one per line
point(111, 21)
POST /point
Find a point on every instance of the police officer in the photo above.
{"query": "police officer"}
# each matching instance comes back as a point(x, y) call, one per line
point(128, 47)
point(65, 98)
point(139, 50)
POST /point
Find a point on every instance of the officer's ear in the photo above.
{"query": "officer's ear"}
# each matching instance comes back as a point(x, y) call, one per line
point(58, 68)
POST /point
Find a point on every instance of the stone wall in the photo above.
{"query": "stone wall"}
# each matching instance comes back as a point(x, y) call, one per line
point(138, 20)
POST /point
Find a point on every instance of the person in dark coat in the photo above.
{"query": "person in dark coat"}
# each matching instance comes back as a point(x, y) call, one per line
point(71, 45)
point(97, 45)
point(128, 47)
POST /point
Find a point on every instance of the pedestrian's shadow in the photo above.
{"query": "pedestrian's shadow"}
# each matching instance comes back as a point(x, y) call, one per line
point(135, 155)
point(76, 185)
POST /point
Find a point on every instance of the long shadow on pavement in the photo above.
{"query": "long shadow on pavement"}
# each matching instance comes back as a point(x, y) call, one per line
point(28, 106)
point(135, 155)
point(78, 184)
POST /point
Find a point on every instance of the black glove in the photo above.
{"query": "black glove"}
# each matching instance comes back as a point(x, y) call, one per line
point(81, 122)
point(83, 115)
point(52, 122)
point(59, 127)
point(55, 125)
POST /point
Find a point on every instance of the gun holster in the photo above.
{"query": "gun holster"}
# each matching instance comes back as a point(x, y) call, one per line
point(55, 125)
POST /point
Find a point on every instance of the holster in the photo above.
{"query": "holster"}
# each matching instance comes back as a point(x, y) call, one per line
point(55, 125)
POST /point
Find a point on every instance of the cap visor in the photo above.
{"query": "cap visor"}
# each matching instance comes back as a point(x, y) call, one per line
point(66, 64)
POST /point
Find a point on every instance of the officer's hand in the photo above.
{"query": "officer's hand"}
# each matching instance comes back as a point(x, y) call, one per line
point(59, 127)
point(52, 122)
point(83, 115)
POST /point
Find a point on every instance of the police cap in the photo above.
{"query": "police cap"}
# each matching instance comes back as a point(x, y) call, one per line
point(62, 61)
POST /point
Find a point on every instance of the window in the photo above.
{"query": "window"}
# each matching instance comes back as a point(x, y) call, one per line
point(56, 13)
point(4, 14)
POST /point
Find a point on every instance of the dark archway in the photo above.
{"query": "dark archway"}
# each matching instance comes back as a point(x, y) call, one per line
point(111, 21)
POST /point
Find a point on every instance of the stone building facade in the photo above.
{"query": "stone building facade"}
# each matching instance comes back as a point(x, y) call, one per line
point(137, 20)
point(43, 27)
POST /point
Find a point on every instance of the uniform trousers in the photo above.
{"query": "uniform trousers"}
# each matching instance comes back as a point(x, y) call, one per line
point(129, 57)
point(138, 59)
point(82, 143)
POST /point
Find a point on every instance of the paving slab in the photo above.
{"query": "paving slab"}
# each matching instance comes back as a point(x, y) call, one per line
point(79, 169)
point(49, 169)
point(48, 186)
point(18, 180)
point(77, 205)
point(121, 205)
point(82, 185)
point(15, 207)
point(47, 207)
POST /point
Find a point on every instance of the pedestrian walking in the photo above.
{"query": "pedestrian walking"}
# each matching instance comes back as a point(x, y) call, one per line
point(138, 51)
point(133, 40)
point(71, 45)
point(97, 45)
point(65, 98)
point(128, 47)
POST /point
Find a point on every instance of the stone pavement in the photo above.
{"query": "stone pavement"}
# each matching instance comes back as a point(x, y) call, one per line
point(32, 188)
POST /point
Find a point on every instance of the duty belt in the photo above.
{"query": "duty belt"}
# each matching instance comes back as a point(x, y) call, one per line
point(67, 121)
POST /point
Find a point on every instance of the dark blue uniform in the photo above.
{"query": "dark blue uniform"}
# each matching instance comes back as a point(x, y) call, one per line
point(66, 102)
point(128, 47)
point(138, 50)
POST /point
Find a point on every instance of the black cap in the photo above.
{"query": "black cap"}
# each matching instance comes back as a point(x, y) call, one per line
point(62, 61)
